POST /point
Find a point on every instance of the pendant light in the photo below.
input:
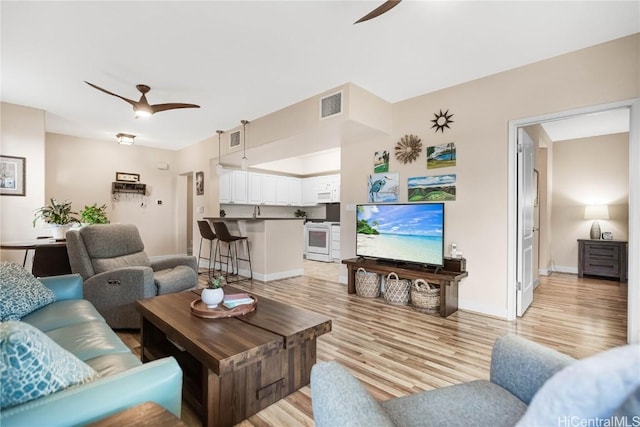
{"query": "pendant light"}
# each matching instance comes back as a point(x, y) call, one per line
point(244, 164)
point(219, 168)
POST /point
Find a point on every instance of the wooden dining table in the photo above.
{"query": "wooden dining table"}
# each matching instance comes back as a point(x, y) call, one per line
point(50, 255)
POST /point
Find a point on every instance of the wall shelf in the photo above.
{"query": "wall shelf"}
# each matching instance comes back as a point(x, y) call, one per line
point(128, 187)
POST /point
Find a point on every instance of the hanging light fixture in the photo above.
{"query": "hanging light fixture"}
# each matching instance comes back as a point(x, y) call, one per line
point(219, 168)
point(245, 162)
point(125, 138)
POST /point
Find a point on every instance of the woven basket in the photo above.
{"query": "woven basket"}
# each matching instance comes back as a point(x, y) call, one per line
point(396, 291)
point(425, 297)
point(367, 283)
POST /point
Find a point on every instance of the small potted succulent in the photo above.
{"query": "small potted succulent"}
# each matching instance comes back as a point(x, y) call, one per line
point(212, 294)
point(94, 214)
point(58, 215)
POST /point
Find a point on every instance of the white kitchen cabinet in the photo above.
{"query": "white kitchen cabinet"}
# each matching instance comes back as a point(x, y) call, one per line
point(288, 191)
point(233, 187)
point(309, 192)
point(255, 188)
point(225, 186)
point(268, 189)
point(295, 191)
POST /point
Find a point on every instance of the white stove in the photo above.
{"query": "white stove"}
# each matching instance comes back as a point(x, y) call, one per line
point(317, 240)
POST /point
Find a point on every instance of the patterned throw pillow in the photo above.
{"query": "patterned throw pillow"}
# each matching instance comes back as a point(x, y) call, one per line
point(32, 365)
point(20, 292)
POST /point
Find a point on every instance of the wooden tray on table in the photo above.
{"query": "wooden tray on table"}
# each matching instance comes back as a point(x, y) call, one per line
point(200, 309)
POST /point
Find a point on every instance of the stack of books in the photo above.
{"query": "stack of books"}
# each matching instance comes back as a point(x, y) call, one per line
point(233, 300)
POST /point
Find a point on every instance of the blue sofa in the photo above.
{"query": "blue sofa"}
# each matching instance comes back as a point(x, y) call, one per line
point(123, 382)
point(530, 385)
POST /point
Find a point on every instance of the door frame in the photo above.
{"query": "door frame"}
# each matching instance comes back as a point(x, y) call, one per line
point(633, 304)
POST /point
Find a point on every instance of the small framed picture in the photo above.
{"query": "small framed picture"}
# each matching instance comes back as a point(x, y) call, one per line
point(199, 183)
point(127, 177)
point(607, 235)
point(12, 176)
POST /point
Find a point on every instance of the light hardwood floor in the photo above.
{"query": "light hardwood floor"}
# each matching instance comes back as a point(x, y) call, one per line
point(396, 351)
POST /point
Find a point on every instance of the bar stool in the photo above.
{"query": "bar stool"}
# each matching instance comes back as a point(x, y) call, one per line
point(206, 233)
point(232, 242)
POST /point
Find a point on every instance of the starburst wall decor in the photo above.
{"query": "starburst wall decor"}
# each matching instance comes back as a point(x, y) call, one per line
point(442, 121)
point(408, 148)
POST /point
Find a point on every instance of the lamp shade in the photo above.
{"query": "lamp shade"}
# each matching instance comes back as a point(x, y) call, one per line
point(596, 212)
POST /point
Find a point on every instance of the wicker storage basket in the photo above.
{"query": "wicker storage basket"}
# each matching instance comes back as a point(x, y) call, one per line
point(367, 283)
point(396, 291)
point(425, 297)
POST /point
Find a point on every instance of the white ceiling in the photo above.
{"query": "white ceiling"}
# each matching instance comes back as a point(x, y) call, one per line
point(243, 60)
point(588, 125)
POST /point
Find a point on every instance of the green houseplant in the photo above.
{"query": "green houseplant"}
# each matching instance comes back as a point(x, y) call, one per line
point(213, 294)
point(57, 214)
point(94, 214)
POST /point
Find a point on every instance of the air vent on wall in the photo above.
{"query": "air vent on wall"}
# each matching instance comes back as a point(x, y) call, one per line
point(234, 139)
point(331, 105)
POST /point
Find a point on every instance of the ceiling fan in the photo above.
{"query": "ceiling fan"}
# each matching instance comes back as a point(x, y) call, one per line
point(142, 108)
point(384, 7)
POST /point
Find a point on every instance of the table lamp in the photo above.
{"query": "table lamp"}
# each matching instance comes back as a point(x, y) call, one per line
point(596, 212)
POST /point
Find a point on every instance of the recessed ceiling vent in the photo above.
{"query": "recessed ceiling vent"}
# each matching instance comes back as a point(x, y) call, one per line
point(234, 139)
point(331, 105)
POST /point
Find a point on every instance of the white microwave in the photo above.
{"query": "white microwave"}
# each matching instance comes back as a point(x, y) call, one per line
point(325, 196)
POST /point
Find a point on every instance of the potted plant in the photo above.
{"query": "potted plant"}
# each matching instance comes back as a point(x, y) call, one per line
point(58, 215)
point(212, 294)
point(94, 214)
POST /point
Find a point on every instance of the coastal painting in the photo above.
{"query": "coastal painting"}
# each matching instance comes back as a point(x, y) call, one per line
point(381, 161)
point(437, 188)
point(383, 187)
point(441, 156)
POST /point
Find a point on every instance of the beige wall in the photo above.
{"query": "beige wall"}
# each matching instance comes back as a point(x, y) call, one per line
point(477, 220)
point(81, 171)
point(22, 135)
point(588, 171)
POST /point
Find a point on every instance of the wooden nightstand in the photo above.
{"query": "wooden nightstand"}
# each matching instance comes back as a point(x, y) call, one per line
point(606, 258)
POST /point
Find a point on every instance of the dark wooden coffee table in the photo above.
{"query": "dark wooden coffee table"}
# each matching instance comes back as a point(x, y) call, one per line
point(233, 367)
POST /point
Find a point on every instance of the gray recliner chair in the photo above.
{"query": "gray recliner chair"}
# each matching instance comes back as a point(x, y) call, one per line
point(117, 272)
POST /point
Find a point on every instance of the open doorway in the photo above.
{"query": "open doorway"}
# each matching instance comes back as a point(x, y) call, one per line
point(515, 246)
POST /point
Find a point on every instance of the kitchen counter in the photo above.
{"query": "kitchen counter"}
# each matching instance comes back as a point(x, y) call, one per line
point(276, 245)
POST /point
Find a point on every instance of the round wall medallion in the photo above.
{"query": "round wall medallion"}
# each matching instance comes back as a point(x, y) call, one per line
point(408, 148)
point(442, 121)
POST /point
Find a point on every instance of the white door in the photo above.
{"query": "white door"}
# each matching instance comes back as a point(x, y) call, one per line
point(525, 222)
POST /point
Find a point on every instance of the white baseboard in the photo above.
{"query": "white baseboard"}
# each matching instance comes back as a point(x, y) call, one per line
point(565, 269)
point(475, 307)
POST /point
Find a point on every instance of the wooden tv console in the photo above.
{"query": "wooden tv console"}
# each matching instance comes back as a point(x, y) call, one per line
point(447, 280)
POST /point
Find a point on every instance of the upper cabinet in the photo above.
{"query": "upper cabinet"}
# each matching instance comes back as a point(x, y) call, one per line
point(252, 188)
point(233, 187)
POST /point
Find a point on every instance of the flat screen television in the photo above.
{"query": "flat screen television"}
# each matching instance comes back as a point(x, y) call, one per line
point(401, 232)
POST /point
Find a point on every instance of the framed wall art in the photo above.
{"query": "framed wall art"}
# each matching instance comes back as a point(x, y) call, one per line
point(441, 156)
point(383, 187)
point(381, 161)
point(199, 183)
point(437, 188)
point(12, 176)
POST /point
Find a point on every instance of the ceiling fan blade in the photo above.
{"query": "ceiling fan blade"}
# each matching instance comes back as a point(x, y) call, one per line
point(384, 7)
point(171, 106)
point(134, 103)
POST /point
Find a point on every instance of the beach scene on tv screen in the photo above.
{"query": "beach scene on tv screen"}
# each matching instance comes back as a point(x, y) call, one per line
point(411, 232)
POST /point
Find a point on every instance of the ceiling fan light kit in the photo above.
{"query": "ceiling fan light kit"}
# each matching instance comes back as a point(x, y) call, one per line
point(125, 138)
point(142, 108)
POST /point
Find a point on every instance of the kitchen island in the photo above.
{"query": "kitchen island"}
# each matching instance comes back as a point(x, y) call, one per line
point(276, 245)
